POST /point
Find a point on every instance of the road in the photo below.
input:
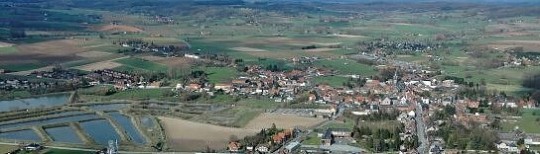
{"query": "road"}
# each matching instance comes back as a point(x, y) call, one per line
point(339, 113)
point(421, 130)
point(94, 150)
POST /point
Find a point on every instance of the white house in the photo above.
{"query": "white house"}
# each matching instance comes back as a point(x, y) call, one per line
point(192, 56)
point(507, 147)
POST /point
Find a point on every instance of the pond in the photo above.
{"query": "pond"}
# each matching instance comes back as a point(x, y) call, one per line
point(128, 126)
point(108, 107)
point(37, 102)
point(101, 131)
point(27, 135)
point(38, 122)
point(63, 134)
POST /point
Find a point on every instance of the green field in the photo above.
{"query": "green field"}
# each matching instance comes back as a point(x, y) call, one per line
point(130, 94)
point(346, 66)
point(8, 50)
point(334, 81)
point(135, 64)
point(386, 124)
point(220, 74)
point(502, 79)
point(22, 66)
point(312, 139)
point(61, 151)
point(529, 122)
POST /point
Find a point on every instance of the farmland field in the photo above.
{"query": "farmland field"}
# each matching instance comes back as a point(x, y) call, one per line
point(346, 66)
point(220, 74)
point(334, 81)
point(282, 121)
point(529, 122)
point(138, 63)
point(7, 148)
point(185, 135)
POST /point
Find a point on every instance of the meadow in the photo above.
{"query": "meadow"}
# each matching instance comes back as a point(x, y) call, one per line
point(136, 64)
point(346, 66)
point(529, 122)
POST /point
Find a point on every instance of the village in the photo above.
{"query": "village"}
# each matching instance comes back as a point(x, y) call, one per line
point(269, 76)
point(410, 95)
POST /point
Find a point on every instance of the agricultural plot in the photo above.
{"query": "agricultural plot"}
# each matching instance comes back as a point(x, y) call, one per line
point(137, 64)
point(220, 74)
point(282, 121)
point(7, 50)
point(334, 81)
point(119, 28)
point(185, 135)
point(529, 122)
point(346, 66)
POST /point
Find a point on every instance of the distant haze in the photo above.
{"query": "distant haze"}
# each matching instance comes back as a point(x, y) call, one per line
point(369, 1)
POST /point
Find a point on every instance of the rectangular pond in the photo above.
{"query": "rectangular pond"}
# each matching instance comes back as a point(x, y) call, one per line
point(37, 102)
point(63, 134)
point(26, 135)
point(105, 107)
point(100, 131)
point(128, 126)
point(30, 123)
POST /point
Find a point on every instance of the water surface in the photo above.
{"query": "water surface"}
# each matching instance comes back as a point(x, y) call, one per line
point(27, 135)
point(63, 134)
point(32, 103)
point(129, 127)
point(30, 123)
point(100, 131)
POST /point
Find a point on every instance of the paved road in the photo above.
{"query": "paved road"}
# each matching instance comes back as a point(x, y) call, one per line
point(94, 150)
point(421, 130)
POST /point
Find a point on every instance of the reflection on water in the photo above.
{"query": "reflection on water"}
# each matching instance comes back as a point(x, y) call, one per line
point(28, 135)
point(38, 102)
point(50, 121)
point(63, 134)
point(109, 107)
point(100, 130)
point(131, 130)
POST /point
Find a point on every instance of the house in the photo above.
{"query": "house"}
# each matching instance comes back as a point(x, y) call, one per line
point(223, 86)
point(291, 147)
point(386, 101)
point(473, 104)
point(234, 146)
point(327, 138)
point(194, 87)
point(361, 113)
point(282, 136)
point(192, 56)
point(121, 85)
point(33, 147)
point(507, 147)
point(435, 149)
point(532, 139)
point(262, 148)
point(340, 132)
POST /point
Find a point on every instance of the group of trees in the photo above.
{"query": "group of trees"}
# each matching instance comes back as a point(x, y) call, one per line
point(352, 82)
point(533, 82)
point(459, 137)
point(263, 137)
point(382, 140)
point(379, 116)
